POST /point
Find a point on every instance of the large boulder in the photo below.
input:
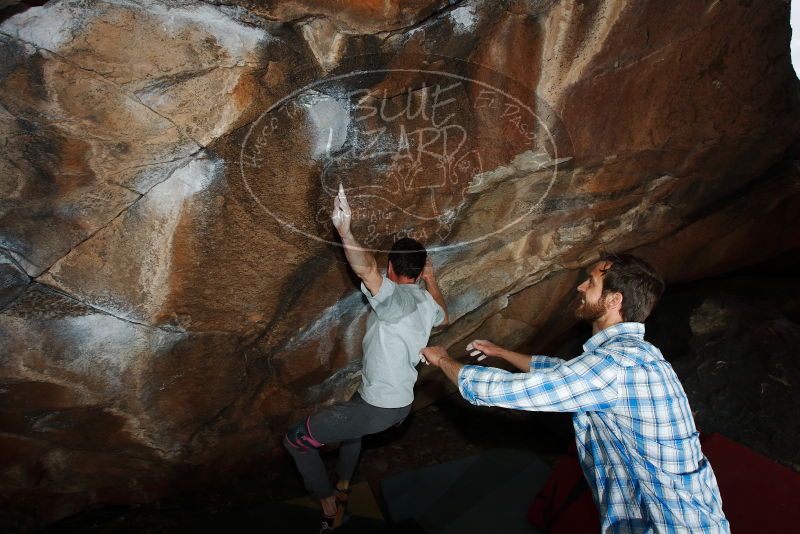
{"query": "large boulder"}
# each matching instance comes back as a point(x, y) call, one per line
point(171, 293)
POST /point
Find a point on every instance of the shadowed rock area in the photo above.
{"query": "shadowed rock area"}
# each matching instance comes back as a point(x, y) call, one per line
point(171, 292)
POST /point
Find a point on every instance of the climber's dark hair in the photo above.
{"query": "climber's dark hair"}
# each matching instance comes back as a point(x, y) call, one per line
point(638, 282)
point(408, 257)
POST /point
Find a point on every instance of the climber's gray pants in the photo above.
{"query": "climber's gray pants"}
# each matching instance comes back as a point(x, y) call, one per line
point(345, 423)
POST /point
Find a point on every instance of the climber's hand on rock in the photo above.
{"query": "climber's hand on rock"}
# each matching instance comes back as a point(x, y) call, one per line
point(342, 214)
point(427, 272)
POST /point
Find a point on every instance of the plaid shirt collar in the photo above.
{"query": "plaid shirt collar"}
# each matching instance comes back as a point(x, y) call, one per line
point(619, 329)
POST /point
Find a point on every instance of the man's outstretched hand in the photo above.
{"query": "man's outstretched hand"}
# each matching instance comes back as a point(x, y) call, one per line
point(518, 360)
point(484, 346)
point(342, 215)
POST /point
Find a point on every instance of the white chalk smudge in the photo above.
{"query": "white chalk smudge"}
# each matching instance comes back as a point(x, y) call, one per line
point(50, 26)
point(330, 118)
point(236, 38)
point(464, 19)
point(100, 336)
point(164, 206)
point(346, 309)
point(54, 25)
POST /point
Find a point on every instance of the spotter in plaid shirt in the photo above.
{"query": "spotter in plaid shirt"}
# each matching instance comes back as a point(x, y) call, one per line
point(634, 430)
point(636, 437)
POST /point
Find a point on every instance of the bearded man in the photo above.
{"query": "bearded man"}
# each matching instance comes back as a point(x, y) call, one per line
point(635, 434)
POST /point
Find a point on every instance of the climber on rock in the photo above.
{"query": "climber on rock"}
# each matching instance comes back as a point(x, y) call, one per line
point(635, 433)
point(399, 324)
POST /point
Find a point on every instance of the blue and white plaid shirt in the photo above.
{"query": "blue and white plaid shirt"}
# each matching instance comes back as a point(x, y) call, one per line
point(636, 437)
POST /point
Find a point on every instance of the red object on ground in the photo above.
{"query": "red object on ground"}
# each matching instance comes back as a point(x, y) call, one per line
point(565, 504)
point(758, 495)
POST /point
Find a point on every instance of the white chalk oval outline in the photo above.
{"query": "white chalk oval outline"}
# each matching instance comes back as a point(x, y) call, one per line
point(437, 248)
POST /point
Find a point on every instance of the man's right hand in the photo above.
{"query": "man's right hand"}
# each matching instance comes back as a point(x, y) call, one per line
point(437, 356)
point(342, 214)
point(430, 284)
point(434, 355)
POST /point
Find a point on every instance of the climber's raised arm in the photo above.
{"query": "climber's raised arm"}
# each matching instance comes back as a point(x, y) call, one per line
point(361, 260)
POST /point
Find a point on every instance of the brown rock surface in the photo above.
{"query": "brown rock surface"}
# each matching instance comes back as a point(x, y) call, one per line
point(12, 279)
point(168, 167)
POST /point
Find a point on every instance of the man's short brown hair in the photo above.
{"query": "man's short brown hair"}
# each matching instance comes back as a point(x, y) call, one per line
point(638, 282)
point(408, 257)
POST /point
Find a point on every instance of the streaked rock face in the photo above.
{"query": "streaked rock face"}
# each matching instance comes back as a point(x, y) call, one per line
point(172, 293)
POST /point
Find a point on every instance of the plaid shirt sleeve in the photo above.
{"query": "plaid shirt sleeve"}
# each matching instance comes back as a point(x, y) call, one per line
point(544, 362)
point(586, 383)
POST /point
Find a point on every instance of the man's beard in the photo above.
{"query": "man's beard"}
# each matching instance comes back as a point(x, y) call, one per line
point(590, 311)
